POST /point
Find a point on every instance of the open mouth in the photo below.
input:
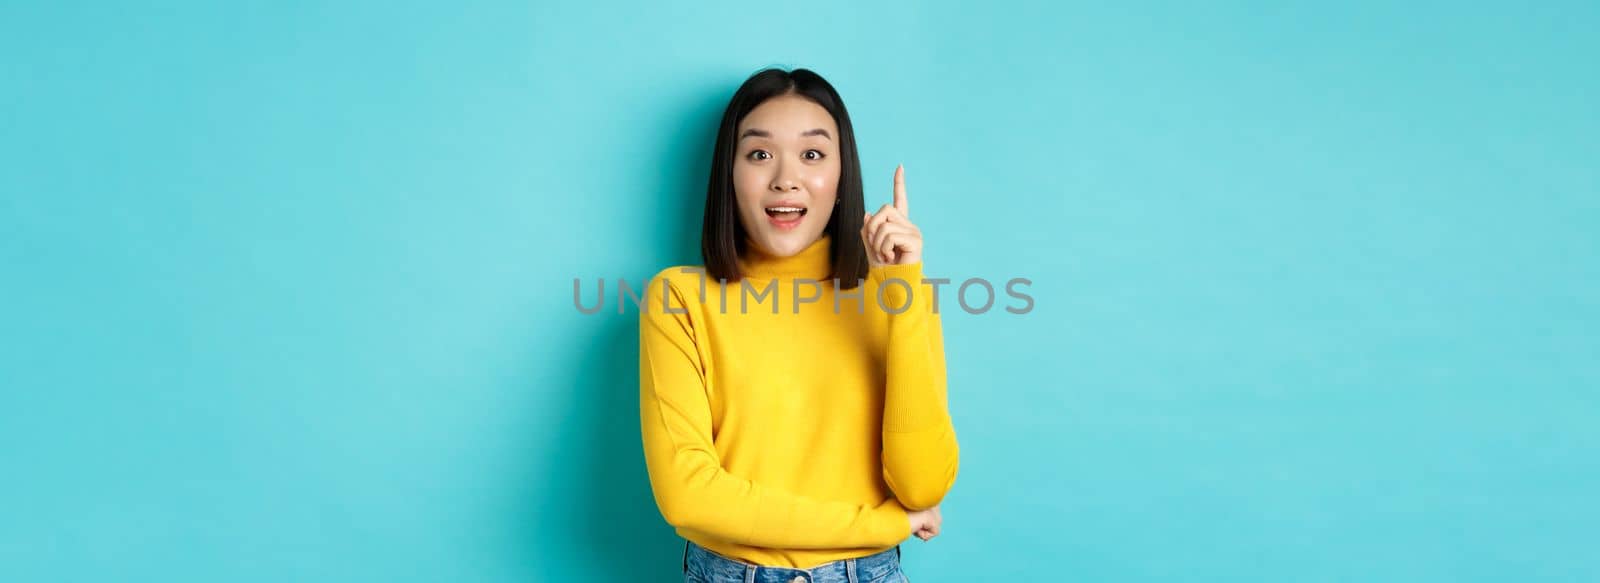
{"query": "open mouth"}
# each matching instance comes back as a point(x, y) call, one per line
point(786, 213)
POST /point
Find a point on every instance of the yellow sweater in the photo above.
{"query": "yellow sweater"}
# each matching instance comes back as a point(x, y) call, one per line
point(793, 439)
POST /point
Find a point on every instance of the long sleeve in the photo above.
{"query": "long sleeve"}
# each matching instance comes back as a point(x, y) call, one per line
point(920, 454)
point(692, 489)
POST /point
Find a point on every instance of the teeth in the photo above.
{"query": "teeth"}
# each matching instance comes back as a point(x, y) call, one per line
point(785, 209)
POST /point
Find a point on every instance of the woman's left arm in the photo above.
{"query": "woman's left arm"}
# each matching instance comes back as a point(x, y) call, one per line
point(920, 453)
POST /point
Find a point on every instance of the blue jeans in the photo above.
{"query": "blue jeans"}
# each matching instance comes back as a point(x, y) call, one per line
point(703, 566)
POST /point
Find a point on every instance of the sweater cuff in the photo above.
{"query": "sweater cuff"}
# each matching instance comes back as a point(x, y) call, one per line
point(891, 523)
point(899, 285)
point(909, 272)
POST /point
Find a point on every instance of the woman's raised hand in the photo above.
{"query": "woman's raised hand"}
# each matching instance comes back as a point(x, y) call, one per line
point(889, 235)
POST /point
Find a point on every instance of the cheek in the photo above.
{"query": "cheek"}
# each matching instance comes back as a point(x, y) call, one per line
point(824, 181)
point(748, 186)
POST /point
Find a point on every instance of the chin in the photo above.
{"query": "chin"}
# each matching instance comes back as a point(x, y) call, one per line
point(785, 244)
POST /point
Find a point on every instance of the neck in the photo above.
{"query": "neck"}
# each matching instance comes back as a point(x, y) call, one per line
point(815, 261)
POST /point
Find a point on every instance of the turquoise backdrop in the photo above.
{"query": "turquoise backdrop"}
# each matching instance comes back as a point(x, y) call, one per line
point(287, 286)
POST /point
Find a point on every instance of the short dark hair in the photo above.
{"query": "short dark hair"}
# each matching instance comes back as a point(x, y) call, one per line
point(722, 236)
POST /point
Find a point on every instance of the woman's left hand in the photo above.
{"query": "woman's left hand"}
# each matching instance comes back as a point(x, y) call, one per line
point(889, 235)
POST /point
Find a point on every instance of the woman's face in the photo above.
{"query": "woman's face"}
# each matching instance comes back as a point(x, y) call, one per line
point(786, 173)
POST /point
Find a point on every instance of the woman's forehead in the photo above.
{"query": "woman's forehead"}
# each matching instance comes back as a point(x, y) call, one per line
point(787, 116)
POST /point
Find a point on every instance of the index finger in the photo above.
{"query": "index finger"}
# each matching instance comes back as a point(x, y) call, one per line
point(900, 202)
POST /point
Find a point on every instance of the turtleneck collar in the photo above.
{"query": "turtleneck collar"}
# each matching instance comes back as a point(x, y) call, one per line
point(815, 261)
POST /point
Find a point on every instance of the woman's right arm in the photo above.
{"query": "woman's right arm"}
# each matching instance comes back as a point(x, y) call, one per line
point(692, 489)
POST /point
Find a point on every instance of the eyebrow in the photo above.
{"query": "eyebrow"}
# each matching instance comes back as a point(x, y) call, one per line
point(760, 133)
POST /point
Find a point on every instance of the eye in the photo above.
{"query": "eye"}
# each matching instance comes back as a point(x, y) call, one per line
point(758, 155)
point(808, 155)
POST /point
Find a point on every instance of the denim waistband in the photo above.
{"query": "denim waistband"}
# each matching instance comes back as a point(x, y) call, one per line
point(716, 568)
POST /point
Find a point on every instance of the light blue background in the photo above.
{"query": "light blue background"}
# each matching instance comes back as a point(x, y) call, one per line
point(287, 289)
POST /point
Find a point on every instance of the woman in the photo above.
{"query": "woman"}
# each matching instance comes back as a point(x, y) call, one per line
point(792, 389)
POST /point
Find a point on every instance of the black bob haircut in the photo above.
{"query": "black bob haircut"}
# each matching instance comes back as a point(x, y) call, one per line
point(722, 236)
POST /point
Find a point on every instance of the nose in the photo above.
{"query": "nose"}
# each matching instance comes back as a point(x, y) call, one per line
point(785, 180)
